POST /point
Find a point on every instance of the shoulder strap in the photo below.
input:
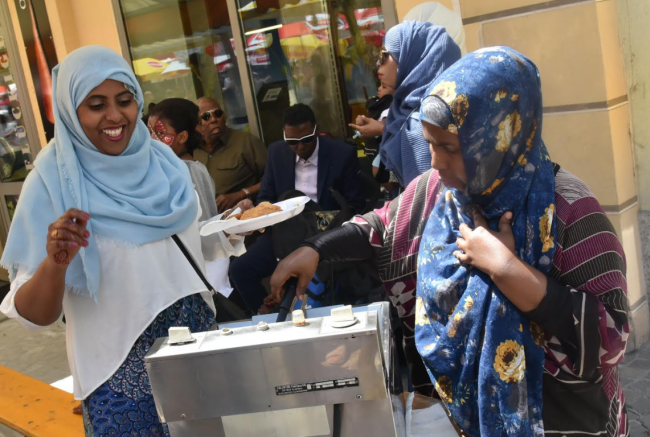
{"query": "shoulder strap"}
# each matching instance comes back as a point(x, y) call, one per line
point(556, 168)
point(183, 249)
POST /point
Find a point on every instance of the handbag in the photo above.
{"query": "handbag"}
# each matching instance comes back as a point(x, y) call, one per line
point(227, 311)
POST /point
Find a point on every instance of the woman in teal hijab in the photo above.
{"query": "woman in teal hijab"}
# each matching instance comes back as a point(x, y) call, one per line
point(91, 237)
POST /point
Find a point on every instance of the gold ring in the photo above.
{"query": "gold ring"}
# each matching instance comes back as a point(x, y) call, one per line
point(55, 233)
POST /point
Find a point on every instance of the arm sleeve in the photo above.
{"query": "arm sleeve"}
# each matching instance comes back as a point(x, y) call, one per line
point(358, 239)
point(347, 243)
point(585, 310)
point(8, 305)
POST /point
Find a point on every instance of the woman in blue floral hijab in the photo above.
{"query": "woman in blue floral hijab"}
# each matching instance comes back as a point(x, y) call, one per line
point(519, 303)
point(479, 348)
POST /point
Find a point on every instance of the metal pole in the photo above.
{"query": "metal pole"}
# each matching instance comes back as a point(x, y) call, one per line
point(245, 73)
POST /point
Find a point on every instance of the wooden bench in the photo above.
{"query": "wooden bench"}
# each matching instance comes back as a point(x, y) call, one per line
point(36, 409)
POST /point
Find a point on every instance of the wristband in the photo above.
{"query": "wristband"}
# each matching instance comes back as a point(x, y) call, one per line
point(248, 193)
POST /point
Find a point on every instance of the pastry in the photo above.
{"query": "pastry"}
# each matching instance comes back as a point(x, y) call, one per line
point(260, 210)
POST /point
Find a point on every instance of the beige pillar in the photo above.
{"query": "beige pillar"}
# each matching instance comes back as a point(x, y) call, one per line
point(78, 23)
point(635, 34)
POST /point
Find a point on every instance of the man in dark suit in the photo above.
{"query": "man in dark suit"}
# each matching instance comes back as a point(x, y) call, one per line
point(304, 162)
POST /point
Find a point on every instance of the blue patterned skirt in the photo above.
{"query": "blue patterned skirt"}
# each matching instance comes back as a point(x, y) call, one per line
point(124, 405)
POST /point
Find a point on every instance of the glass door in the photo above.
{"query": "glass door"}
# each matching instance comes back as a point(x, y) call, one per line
point(185, 48)
point(18, 138)
point(360, 36)
point(292, 59)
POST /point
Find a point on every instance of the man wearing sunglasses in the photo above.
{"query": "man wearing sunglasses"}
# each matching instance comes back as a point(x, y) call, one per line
point(234, 159)
point(304, 162)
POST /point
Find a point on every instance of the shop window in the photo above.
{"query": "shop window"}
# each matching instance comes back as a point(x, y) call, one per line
point(15, 153)
point(185, 49)
point(314, 52)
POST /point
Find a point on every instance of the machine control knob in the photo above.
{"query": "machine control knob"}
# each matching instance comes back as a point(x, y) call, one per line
point(342, 317)
point(262, 326)
point(180, 335)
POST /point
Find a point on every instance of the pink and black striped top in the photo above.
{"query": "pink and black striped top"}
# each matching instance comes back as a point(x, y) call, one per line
point(584, 313)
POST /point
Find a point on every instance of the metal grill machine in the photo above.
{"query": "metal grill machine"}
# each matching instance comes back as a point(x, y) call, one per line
point(333, 376)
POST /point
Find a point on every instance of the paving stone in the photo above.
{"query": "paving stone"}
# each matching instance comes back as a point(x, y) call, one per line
point(641, 405)
point(632, 395)
point(637, 429)
point(630, 373)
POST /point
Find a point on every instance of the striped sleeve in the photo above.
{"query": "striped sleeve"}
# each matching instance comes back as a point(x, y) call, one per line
point(590, 264)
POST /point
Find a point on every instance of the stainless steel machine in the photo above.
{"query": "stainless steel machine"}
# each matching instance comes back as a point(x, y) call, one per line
point(277, 379)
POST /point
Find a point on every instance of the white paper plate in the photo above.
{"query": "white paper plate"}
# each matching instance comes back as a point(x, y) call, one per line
point(290, 208)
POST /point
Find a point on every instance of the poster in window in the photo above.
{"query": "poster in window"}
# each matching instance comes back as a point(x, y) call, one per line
point(41, 55)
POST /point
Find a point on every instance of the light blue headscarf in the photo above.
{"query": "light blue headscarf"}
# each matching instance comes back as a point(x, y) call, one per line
point(143, 195)
point(422, 51)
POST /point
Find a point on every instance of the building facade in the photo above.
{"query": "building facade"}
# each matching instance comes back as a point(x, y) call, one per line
point(590, 53)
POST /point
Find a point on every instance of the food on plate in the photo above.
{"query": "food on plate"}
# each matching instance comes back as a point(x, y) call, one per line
point(263, 208)
point(235, 216)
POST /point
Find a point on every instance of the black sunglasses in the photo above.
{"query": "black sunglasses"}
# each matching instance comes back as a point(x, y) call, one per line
point(306, 140)
point(218, 113)
point(383, 56)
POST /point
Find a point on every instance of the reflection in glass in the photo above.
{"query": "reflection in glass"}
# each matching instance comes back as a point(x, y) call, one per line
point(185, 49)
point(314, 53)
point(290, 53)
point(11, 201)
point(360, 42)
point(15, 155)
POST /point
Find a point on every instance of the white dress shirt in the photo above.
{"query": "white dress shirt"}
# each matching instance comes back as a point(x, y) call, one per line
point(307, 175)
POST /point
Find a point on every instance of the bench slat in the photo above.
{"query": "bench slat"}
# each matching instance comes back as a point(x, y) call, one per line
point(35, 408)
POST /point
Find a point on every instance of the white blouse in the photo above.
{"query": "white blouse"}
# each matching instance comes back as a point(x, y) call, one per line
point(137, 283)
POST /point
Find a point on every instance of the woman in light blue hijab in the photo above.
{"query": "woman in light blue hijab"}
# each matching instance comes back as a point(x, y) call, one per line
point(91, 237)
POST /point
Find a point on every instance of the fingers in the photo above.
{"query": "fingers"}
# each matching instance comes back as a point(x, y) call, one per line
point(280, 276)
point(465, 230)
point(77, 215)
point(462, 244)
point(479, 220)
point(66, 235)
point(354, 126)
point(462, 257)
point(221, 203)
point(303, 282)
point(68, 225)
point(62, 245)
point(505, 222)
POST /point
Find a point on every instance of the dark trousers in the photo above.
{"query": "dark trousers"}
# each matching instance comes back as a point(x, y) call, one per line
point(248, 270)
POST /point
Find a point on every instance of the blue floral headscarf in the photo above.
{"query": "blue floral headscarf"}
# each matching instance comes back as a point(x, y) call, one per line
point(484, 356)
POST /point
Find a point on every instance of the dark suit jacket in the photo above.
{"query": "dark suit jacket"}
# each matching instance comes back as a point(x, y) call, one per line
point(338, 168)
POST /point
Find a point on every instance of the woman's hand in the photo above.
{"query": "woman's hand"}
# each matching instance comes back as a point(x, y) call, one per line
point(487, 250)
point(369, 127)
point(302, 264)
point(66, 236)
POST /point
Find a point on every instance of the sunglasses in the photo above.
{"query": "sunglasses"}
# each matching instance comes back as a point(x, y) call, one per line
point(306, 140)
point(218, 113)
point(383, 57)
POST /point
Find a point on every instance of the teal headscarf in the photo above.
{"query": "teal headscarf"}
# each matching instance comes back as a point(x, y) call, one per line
point(143, 195)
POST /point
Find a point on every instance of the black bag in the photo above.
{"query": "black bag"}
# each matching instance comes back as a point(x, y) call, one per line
point(227, 311)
